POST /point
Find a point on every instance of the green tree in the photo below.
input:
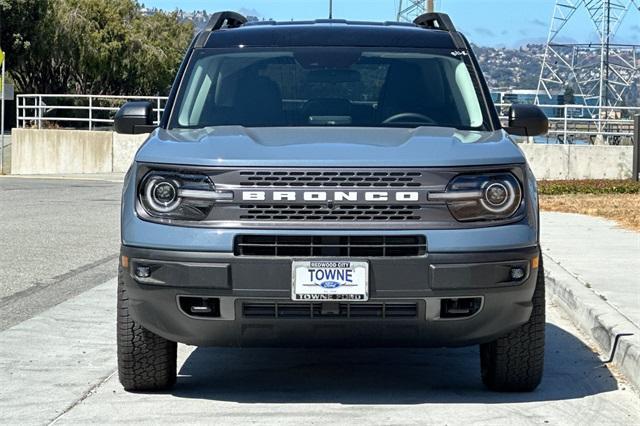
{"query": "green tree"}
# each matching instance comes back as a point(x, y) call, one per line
point(19, 22)
point(102, 47)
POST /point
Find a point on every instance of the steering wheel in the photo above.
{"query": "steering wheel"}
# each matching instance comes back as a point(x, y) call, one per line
point(403, 116)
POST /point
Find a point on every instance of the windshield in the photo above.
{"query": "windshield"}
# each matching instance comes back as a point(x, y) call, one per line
point(321, 86)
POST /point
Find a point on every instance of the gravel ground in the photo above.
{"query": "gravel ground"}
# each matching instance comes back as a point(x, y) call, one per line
point(623, 208)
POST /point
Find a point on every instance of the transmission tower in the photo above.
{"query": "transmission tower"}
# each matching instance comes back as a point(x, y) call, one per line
point(408, 10)
point(600, 73)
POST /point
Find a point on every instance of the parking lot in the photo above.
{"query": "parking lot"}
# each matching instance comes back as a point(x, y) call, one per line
point(58, 256)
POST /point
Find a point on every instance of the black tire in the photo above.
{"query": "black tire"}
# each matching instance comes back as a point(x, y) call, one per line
point(146, 361)
point(515, 362)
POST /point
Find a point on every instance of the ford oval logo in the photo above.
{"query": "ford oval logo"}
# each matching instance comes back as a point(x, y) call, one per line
point(330, 284)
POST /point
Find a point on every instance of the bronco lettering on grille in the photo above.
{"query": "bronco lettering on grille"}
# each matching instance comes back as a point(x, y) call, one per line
point(337, 196)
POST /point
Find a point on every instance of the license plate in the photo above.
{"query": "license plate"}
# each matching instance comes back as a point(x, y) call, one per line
point(330, 280)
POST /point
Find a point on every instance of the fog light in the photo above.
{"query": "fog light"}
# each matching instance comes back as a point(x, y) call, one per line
point(143, 271)
point(517, 274)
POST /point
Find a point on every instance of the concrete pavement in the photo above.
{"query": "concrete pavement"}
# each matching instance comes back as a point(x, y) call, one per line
point(60, 367)
point(592, 269)
point(598, 253)
point(53, 360)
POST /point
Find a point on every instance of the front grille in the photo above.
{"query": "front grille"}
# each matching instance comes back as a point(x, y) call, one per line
point(330, 246)
point(342, 310)
point(348, 198)
point(316, 178)
point(347, 213)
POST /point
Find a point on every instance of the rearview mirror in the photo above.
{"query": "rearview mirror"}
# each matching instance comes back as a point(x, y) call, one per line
point(334, 76)
point(527, 120)
point(134, 118)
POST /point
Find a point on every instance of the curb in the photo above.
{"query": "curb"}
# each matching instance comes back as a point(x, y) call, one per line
point(97, 177)
point(598, 319)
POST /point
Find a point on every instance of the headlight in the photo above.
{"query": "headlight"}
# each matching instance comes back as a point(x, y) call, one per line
point(482, 197)
point(179, 196)
point(161, 194)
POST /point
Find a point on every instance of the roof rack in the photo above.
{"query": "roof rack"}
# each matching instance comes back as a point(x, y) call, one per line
point(435, 21)
point(442, 22)
point(218, 21)
point(226, 19)
point(330, 21)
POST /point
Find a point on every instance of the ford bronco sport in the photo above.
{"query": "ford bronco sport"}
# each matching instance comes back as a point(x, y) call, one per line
point(330, 183)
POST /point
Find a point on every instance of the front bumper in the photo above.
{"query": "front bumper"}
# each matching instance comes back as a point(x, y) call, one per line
point(237, 282)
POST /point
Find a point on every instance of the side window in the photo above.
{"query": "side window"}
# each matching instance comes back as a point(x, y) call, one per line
point(198, 91)
point(473, 116)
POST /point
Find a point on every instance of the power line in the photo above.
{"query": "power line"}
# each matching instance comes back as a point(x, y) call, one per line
point(600, 73)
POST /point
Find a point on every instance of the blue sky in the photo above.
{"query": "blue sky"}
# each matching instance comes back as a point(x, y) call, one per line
point(487, 22)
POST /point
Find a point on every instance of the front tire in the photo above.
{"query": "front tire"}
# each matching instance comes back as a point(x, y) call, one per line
point(514, 362)
point(146, 361)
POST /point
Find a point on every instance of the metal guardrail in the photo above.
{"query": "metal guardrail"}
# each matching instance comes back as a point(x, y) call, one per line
point(92, 111)
point(567, 123)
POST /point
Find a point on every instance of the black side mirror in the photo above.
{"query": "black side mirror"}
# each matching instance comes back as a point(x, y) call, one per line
point(134, 118)
point(527, 120)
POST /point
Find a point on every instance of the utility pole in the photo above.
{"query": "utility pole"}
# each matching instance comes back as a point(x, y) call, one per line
point(600, 73)
point(606, 48)
point(330, 9)
point(2, 95)
point(636, 149)
point(408, 10)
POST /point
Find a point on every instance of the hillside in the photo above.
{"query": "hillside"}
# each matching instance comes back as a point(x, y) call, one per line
point(511, 68)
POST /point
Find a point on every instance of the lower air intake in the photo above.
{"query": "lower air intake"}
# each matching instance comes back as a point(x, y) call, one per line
point(331, 310)
point(330, 246)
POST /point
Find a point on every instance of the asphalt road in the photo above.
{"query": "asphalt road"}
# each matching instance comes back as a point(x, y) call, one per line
point(58, 237)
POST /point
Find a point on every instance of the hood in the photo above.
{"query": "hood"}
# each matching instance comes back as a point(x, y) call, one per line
point(329, 147)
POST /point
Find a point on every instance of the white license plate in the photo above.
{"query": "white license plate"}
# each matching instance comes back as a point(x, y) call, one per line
point(330, 280)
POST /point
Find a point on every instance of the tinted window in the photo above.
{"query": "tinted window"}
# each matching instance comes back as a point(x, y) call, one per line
point(327, 87)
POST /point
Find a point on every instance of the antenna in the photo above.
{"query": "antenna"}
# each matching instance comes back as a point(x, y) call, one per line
point(330, 9)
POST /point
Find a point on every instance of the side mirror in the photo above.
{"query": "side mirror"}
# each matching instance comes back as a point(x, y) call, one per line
point(134, 118)
point(527, 120)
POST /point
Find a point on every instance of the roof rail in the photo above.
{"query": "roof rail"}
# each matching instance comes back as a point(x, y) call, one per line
point(435, 21)
point(226, 19)
point(442, 22)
